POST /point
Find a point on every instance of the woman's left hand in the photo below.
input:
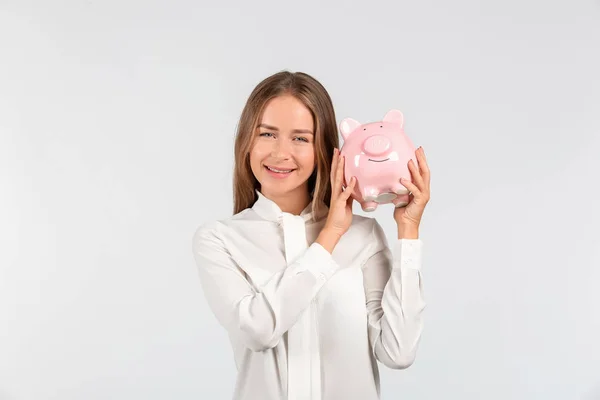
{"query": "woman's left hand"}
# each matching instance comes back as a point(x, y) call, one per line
point(409, 216)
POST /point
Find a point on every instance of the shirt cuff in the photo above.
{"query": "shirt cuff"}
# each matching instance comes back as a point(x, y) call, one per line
point(320, 262)
point(408, 254)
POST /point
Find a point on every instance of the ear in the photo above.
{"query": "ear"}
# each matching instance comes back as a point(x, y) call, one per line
point(394, 117)
point(347, 126)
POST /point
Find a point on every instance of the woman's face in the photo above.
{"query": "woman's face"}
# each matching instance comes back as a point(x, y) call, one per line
point(282, 157)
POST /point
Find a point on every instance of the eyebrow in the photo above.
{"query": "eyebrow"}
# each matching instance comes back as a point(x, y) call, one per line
point(294, 131)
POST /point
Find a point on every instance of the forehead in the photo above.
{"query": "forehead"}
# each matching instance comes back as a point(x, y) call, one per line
point(287, 112)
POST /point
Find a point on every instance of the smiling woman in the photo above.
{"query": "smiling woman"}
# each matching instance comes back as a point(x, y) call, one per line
point(283, 155)
point(288, 124)
point(305, 321)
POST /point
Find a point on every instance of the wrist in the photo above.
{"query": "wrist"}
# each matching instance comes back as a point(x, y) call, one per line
point(328, 239)
point(408, 232)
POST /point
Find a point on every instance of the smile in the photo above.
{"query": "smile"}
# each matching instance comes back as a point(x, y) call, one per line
point(279, 170)
point(370, 159)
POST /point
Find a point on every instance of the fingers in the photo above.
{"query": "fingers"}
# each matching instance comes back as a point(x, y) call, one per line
point(419, 187)
point(332, 174)
point(349, 189)
point(423, 167)
point(337, 174)
point(419, 193)
point(421, 174)
point(416, 175)
point(334, 163)
point(410, 186)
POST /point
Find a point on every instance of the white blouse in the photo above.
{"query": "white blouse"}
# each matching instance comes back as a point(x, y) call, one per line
point(304, 323)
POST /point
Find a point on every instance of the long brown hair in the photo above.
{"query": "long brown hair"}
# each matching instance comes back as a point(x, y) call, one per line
point(314, 96)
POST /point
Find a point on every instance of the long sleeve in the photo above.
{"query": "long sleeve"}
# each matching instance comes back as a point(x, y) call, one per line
point(394, 296)
point(258, 317)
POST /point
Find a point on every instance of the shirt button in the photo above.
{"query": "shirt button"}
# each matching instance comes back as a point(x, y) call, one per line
point(322, 276)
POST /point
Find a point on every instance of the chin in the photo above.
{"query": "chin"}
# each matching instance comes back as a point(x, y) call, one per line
point(280, 187)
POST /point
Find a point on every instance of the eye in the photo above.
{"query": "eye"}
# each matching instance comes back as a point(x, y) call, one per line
point(303, 139)
point(266, 134)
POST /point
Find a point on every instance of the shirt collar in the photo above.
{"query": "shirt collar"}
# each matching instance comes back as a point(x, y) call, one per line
point(269, 210)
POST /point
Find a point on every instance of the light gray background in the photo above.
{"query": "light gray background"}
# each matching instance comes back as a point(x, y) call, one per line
point(117, 122)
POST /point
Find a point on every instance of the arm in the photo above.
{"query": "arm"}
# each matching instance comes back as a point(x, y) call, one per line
point(258, 317)
point(394, 299)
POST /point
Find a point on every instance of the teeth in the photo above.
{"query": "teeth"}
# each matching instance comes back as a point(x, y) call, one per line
point(279, 170)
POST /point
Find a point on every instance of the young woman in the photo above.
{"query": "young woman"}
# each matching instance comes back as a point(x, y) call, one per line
point(309, 293)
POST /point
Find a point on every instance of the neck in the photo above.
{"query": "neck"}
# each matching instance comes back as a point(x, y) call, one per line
point(291, 202)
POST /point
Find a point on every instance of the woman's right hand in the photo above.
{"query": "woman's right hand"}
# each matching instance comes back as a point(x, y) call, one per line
point(340, 210)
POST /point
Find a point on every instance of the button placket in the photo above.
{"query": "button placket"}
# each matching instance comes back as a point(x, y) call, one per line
point(303, 378)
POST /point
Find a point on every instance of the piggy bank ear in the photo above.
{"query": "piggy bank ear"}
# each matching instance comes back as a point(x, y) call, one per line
point(347, 126)
point(394, 117)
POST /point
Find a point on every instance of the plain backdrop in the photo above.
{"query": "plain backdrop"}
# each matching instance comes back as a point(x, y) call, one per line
point(117, 121)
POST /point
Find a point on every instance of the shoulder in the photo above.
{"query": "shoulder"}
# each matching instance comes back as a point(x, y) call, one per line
point(369, 232)
point(364, 230)
point(362, 240)
point(364, 224)
point(216, 230)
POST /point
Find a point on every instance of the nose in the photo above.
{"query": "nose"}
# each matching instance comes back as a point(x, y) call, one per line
point(376, 145)
point(280, 149)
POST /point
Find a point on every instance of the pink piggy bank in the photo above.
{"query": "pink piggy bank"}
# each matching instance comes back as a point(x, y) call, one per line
point(377, 154)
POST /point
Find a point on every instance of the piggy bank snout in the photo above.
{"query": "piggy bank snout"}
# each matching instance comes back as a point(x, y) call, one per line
point(376, 145)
